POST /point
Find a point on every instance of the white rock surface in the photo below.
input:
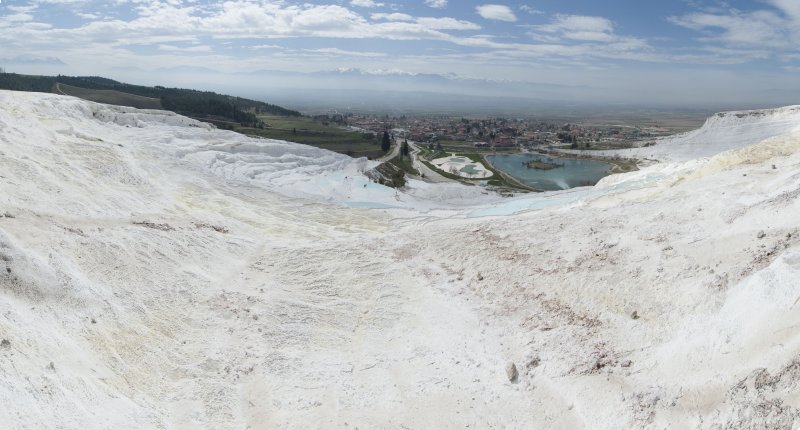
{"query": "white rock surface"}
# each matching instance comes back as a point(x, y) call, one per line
point(232, 287)
point(721, 132)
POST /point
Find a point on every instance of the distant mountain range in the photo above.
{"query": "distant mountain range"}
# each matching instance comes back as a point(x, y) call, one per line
point(400, 92)
point(370, 90)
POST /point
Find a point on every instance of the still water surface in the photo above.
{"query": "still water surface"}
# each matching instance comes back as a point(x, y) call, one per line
point(573, 173)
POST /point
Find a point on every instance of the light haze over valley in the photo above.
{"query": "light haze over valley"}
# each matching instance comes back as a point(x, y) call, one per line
point(681, 54)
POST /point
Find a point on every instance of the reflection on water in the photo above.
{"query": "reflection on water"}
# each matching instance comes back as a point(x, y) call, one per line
point(570, 173)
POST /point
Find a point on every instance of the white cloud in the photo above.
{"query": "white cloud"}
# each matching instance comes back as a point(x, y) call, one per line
point(19, 17)
point(530, 10)
point(428, 22)
point(266, 46)
point(447, 24)
point(439, 4)
point(567, 40)
point(365, 3)
point(90, 16)
point(163, 24)
point(336, 52)
point(391, 17)
point(789, 7)
point(757, 28)
point(59, 1)
point(173, 48)
point(31, 59)
point(594, 24)
point(776, 28)
point(21, 9)
point(496, 12)
point(579, 27)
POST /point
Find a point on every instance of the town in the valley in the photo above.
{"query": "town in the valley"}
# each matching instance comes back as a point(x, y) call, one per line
point(502, 133)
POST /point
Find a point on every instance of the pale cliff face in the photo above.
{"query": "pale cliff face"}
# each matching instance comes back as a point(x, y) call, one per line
point(155, 273)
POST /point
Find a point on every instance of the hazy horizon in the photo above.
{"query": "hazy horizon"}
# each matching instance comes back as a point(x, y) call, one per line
point(697, 55)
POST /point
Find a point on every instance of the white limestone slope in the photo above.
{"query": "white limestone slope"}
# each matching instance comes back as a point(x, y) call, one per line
point(722, 131)
point(157, 273)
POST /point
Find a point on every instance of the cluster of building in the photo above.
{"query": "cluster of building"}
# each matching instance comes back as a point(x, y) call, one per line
point(501, 132)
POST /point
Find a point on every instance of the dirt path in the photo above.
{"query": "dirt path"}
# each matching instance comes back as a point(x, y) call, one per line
point(391, 154)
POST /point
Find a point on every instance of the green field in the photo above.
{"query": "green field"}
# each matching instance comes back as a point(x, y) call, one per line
point(310, 132)
point(111, 97)
point(404, 164)
point(300, 123)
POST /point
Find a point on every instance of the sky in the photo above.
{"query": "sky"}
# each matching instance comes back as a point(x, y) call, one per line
point(617, 51)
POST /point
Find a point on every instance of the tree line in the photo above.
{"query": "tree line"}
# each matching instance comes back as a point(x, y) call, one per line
point(180, 100)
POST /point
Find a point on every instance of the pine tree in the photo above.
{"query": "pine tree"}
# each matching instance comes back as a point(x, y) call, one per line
point(385, 143)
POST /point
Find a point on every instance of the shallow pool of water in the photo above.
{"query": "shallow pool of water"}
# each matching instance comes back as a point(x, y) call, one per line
point(571, 173)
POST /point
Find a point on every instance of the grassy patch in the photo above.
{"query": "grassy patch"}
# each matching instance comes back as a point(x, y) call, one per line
point(391, 174)
point(111, 97)
point(622, 165)
point(309, 132)
point(447, 175)
point(432, 154)
point(456, 143)
point(314, 133)
point(301, 123)
point(404, 164)
point(541, 165)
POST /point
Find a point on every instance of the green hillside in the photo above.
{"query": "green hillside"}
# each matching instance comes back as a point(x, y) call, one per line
point(223, 110)
point(313, 132)
point(111, 97)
